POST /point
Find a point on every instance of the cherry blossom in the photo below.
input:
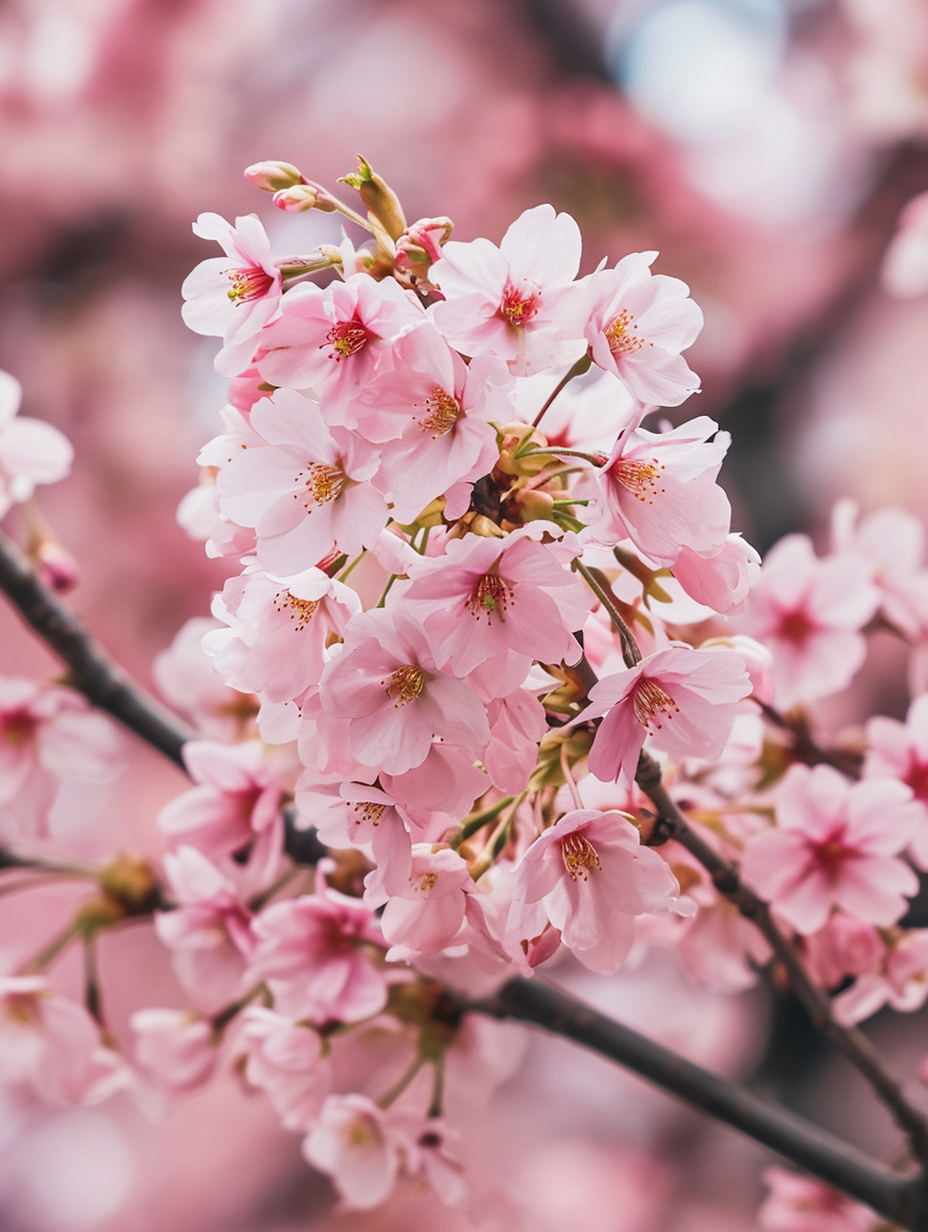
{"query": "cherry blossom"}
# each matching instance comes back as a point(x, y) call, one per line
point(386, 683)
point(317, 954)
point(353, 1142)
point(175, 1048)
point(426, 915)
point(683, 700)
point(305, 490)
point(592, 877)
point(284, 1058)
point(802, 1204)
point(894, 542)
point(504, 302)
point(810, 611)
point(636, 324)
point(277, 630)
point(52, 1044)
point(486, 599)
point(235, 296)
point(31, 451)
point(898, 977)
point(660, 491)
point(900, 751)
point(835, 844)
point(334, 340)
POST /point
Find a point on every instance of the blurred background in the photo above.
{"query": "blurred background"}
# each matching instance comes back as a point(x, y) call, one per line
point(765, 147)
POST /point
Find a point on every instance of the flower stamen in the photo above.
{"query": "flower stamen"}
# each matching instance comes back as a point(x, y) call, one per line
point(517, 309)
point(639, 478)
point(651, 704)
point(491, 595)
point(248, 284)
point(442, 412)
point(301, 610)
point(622, 336)
point(579, 856)
point(406, 684)
point(347, 338)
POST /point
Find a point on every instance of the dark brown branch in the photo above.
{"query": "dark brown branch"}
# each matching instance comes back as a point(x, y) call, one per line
point(899, 1198)
point(89, 669)
point(726, 879)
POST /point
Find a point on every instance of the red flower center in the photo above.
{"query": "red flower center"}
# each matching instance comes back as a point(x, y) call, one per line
point(518, 309)
point(249, 284)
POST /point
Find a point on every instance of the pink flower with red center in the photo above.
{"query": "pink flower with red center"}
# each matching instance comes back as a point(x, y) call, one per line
point(659, 491)
point(636, 324)
point(490, 599)
point(591, 876)
point(31, 452)
point(802, 1204)
point(353, 1142)
point(317, 954)
point(386, 682)
point(683, 700)
point(505, 302)
point(430, 417)
point(305, 490)
point(809, 612)
point(235, 296)
point(52, 1044)
point(277, 631)
point(335, 340)
point(835, 844)
point(900, 751)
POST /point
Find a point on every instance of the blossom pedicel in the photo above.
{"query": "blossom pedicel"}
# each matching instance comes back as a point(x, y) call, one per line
point(478, 604)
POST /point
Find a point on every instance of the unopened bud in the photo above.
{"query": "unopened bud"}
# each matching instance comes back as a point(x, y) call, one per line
point(534, 505)
point(297, 199)
point(380, 199)
point(131, 883)
point(55, 566)
point(273, 176)
point(486, 528)
point(420, 244)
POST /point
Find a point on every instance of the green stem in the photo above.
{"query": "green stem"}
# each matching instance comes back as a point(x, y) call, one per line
point(438, 1086)
point(54, 948)
point(498, 840)
point(631, 652)
point(386, 590)
point(476, 821)
point(399, 1087)
point(347, 572)
point(582, 365)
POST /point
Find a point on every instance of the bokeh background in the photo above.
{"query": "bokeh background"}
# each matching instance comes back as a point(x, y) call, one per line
point(764, 147)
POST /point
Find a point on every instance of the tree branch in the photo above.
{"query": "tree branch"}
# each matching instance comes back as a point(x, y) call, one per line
point(899, 1198)
point(89, 668)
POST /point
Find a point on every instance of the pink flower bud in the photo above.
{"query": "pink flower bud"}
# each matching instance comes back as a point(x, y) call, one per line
point(55, 566)
point(299, 198)
point(273, 176)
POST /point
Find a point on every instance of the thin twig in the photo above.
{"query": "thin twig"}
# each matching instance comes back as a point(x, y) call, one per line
point(630, 649)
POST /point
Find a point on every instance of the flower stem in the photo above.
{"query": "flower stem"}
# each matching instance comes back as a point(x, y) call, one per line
point(476, 821)
point(582, 365)
point(631, 652)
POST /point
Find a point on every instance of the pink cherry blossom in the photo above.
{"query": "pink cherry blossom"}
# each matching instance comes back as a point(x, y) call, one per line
point(426, 915)
point(683, 700)
point(428, 1153)
point(52, 1044)
point(277, 630)
point(209, 932)
point(517, 723)
point(722, 581)
point(488, 599)
point(893, 541)
point(233, 297)
point(31, 451)
point(431, 417)
point(844, 946)
point(905, 264)
point(504, 302)
point(660, 491)
point(175, 1049)
point(900, 751)
point(335, 340)
point(386, 683)
point(636, 324)
point(835, 844)
point(185, 675)
point(48, 734)
point(317, 954)
point(284, 1058)
point(899, 977)
point(305, 491)
point(803, 1204)
point(446, 782)
point(809, 612)
point(235, 807)
point(353, 1142)
point(592, 877)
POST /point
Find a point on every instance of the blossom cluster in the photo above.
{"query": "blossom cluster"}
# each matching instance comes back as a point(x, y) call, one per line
point(478, 582)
